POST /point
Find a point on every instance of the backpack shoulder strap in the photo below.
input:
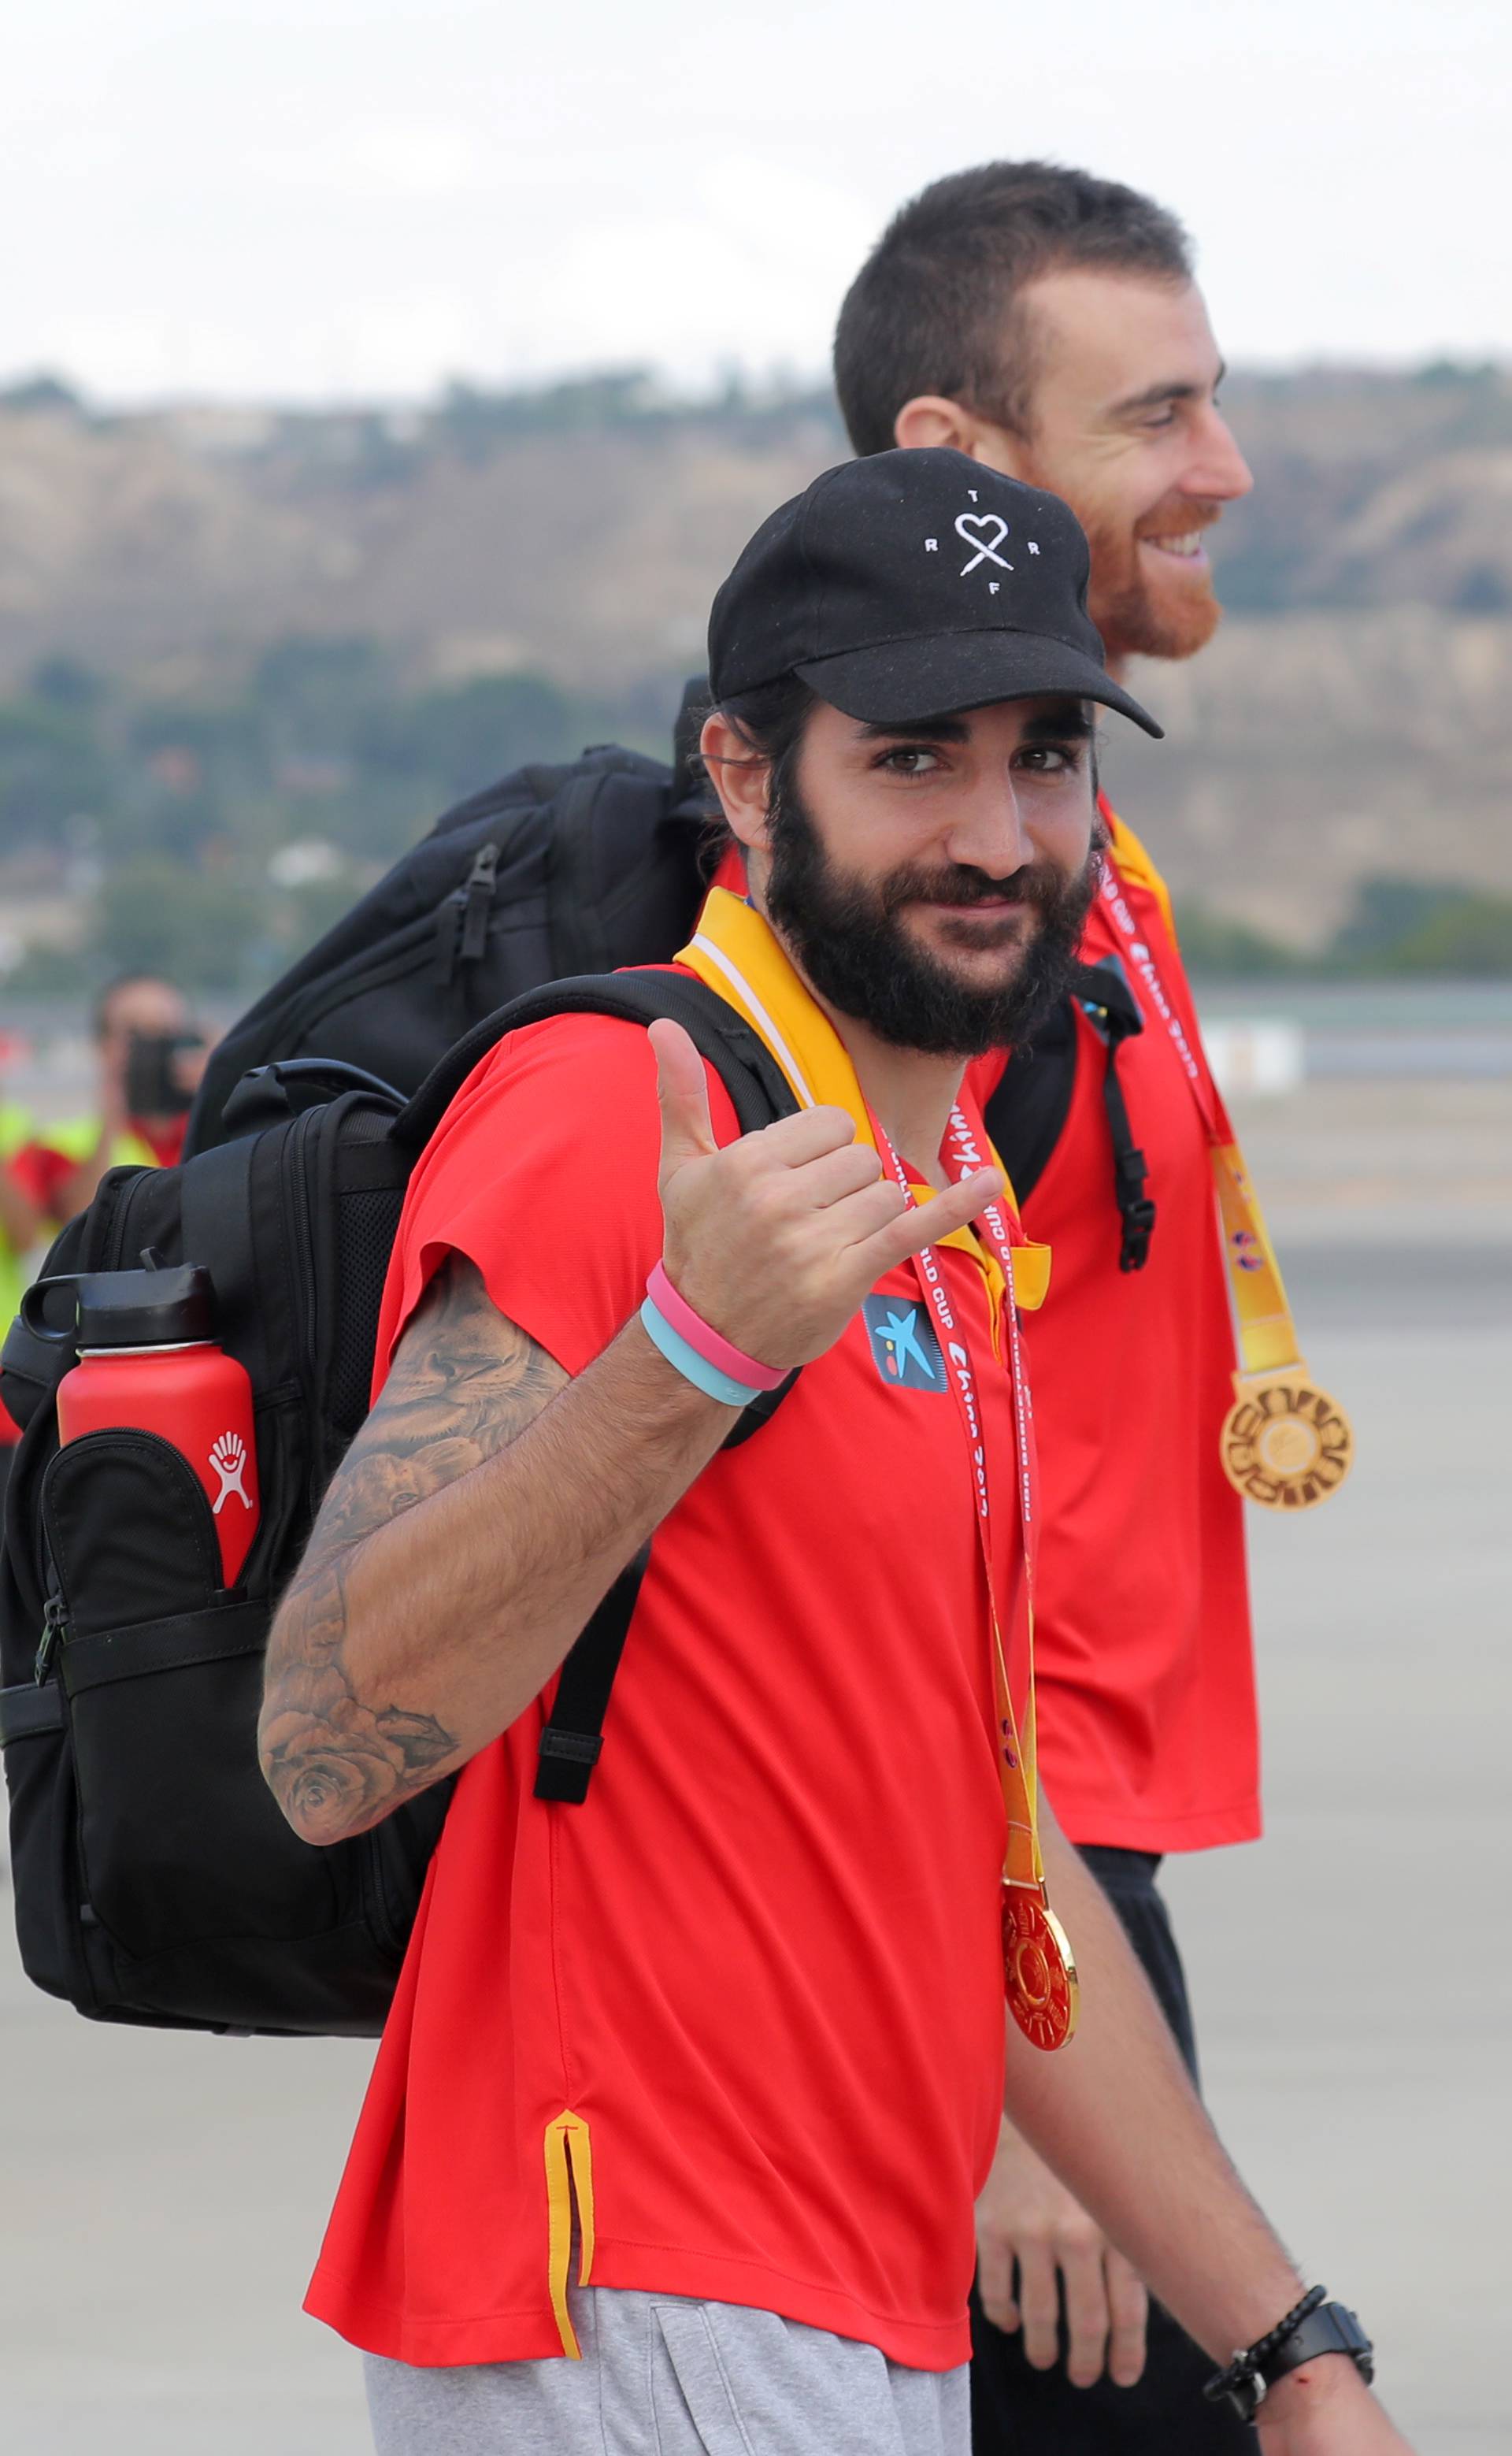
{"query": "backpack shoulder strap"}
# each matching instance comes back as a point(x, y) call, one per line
point(760, 1094)
point(1026, 1114)
point(1104, 992)
point(759, 1091)
point(573, 1738)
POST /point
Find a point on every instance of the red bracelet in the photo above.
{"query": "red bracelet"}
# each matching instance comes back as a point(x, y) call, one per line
point(707, 1341)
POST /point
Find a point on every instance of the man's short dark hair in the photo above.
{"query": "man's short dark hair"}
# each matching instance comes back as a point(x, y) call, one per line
point(773, 718)
point(936, 306)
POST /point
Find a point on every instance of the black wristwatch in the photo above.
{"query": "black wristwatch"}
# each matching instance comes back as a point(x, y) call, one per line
point(1315, 2326)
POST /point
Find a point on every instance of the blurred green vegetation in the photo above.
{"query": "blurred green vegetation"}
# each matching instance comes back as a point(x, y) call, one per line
point(1397, 926)
point(213, 838)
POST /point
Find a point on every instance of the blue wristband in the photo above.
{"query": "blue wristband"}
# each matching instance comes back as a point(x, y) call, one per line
point(692, 1366)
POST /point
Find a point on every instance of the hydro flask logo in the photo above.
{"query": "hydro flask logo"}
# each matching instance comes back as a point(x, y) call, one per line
point(229, 1459)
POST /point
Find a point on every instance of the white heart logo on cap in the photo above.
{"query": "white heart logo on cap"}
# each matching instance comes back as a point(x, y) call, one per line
point(972, 528)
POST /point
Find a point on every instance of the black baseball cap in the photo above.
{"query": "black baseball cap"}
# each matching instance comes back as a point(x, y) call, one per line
point(914, 584)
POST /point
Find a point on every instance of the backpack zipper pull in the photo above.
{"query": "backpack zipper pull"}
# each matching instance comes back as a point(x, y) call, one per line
point(482, 879)
point(54, 1628)
point(462, 918)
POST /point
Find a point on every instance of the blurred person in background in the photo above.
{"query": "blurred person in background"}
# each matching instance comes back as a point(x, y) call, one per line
point(1047, 324)
point(151, 1056)
point(20, 1226)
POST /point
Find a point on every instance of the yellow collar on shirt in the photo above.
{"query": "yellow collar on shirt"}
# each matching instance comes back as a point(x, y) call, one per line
point(736, 953)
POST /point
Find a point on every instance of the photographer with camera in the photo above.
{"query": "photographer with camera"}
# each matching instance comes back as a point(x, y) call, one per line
point(151, 1054)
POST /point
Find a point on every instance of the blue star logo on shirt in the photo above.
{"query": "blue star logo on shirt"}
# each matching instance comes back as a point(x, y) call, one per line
point(904, 1345)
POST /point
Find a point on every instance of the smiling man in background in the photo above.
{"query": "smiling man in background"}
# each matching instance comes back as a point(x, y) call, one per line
point(1047, 324)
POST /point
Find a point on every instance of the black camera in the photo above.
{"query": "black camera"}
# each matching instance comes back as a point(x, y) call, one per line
point(155, 1074)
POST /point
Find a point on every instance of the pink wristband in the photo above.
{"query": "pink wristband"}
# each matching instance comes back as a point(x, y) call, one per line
point(707, 1342)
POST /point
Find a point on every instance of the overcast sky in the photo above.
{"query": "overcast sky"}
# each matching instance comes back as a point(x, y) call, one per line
point(310, 199)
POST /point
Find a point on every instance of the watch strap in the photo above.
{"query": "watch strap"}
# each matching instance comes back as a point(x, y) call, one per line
point(1330, 2329)
point(1314, 2328)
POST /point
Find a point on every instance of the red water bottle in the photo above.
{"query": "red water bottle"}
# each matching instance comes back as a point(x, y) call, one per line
point(147, 1361)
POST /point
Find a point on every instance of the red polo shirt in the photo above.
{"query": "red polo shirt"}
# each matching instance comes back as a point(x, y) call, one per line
point(1148, 1726)
point(761, 1964)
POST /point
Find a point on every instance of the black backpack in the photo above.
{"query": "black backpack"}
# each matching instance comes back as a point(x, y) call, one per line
point(1026, 1114)
point(155, 1878)
point(552, 873)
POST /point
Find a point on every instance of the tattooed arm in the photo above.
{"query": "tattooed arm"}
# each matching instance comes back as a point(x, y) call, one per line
point(489, 1504)
point(484, 1509)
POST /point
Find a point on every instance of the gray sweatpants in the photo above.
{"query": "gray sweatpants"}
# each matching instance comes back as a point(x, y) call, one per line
point(662, 2376)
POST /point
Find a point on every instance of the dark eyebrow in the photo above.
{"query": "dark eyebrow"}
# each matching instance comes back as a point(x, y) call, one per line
point(1155, 396)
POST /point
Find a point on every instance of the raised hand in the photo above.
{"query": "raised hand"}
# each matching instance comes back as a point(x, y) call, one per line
point(775, 1240)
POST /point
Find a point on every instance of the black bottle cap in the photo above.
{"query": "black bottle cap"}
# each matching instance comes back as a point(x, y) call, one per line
point(145, 1309)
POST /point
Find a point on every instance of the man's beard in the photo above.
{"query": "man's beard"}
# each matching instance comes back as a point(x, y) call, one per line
point(849, 936)
point(1137, 617)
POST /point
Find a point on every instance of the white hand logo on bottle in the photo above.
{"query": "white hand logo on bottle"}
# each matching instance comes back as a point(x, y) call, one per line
point(229, 1459)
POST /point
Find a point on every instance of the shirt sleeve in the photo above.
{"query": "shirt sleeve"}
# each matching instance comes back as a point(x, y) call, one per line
point(543, 1174)
point(41, 1172)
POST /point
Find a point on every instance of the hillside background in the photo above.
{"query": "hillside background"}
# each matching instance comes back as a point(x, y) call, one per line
point(246, 656)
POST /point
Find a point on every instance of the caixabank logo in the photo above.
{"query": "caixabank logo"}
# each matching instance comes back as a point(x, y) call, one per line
point(904, 1346)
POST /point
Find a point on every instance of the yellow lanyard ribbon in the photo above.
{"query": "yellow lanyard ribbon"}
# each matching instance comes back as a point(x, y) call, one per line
point(1285, 1443)
point(1267, 1334)
point(736, 953)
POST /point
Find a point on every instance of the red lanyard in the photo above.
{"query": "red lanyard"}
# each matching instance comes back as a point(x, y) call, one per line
point(1137, 935)
point(964, 1150)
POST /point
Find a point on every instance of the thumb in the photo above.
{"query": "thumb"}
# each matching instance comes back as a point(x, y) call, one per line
point(682, 1092)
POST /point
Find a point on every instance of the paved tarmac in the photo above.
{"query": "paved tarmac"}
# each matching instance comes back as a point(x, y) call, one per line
point(163, 2197)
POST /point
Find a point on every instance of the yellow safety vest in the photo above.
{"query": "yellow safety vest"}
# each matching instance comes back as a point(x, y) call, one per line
point(76, 1137)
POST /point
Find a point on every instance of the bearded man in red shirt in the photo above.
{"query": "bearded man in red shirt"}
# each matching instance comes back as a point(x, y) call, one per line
point(1047, 324)
point(689, 2085)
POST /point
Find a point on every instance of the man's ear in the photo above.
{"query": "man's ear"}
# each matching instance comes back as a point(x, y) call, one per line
point(931, 420)
point(739, 777)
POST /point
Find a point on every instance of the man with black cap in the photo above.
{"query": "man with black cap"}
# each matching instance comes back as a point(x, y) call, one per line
point(694, 2084)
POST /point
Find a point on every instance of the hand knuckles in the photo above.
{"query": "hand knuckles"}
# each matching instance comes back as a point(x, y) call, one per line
point(768, 1198)
point(746, 1161)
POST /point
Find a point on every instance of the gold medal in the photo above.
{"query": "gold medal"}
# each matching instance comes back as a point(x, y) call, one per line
point(1038, 1970)
point(1285, 1443)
